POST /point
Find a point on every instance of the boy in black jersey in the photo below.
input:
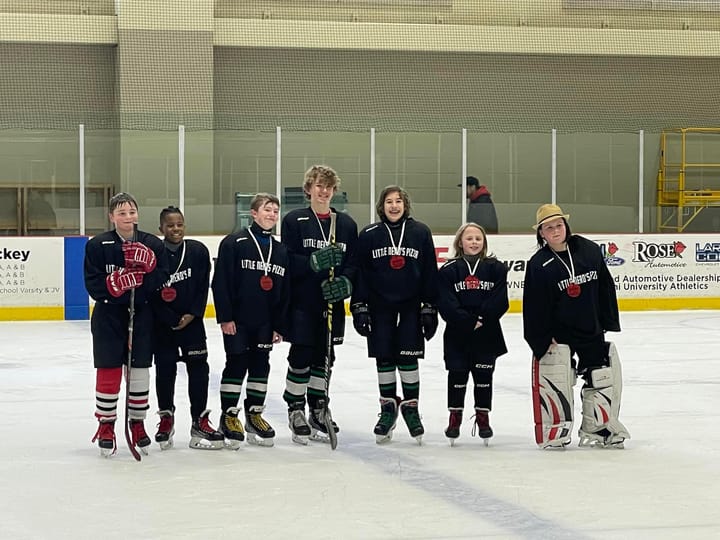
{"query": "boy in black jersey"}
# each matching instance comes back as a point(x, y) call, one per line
point(569, 299)
point(314, 250)
point(473, 296)
point(393, 305)
point(251, 292)
point(116, 263)
point(180, 333)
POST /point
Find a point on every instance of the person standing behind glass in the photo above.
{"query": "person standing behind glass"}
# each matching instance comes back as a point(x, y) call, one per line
point(481, 209)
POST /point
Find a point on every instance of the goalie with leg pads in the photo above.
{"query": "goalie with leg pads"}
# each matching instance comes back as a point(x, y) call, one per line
point(553, 379)
point(601, 398)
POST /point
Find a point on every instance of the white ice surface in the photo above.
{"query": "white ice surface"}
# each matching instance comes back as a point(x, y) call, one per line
point(54, 485)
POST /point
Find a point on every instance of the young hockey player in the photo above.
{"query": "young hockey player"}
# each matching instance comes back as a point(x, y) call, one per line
point(180, 333)
point(569, 303)
point(472, 298)
point(116, 263)
point(315, 248)
point(251, 292)
point(393, 305)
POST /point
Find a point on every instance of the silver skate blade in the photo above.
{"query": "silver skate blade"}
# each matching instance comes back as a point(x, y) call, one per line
point(319, 436)
point(232, 444)
point(300, 439)
point(252, 438)
point(166, 445)
point(383, 439)
point(204, 444)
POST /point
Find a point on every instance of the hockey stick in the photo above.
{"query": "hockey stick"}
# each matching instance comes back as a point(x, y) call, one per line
point(128, 367)
point(327, 418)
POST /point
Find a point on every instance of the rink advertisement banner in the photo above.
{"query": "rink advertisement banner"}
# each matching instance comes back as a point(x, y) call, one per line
point(31, 278)
point(651, 271)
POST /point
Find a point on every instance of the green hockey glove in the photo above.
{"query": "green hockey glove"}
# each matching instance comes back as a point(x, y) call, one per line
point(326, 258)
point(336, 290)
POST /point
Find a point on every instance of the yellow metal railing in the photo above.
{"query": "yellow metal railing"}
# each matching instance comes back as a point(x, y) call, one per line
point(679, 198)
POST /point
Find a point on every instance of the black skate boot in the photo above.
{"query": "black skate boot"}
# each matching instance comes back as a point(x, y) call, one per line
point(203, 436)
point(482, 425)
point(388, 420)
point(411, 415)
point(140, 437)
point(232, 428)
point(166, 430)
point(105, 436)
point(318, 420)
point(298, 423)
point(258, 430)
point(452, 432)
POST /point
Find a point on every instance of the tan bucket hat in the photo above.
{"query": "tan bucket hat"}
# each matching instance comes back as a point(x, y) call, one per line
point(548, 211)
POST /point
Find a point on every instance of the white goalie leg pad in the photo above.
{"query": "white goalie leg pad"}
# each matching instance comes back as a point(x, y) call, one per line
point(601, 405)
point(552, 389)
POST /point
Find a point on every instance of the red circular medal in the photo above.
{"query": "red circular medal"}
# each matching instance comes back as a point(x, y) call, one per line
point(573, 290)
point(168, 294)
point(266, 283)
point(471, 282)
point(397, 262)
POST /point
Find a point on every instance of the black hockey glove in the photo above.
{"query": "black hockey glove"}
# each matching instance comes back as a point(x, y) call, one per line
point(361, 319)
point(336, 290)
point(326, 258)
point(428, 320)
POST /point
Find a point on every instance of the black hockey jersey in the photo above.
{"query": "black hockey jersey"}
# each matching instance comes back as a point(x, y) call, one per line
point(400, 269)
point(551, 306)
point(250, 289)
point(463, 296)
point(186, 291)
point(103, 255)
point(302, 233)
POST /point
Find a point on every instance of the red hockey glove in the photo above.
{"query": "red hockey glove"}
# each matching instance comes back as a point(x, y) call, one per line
point(123, 280)
point(139, 257)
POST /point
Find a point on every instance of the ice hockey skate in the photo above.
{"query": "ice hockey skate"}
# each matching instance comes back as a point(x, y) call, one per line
point(232, 428)
point(317, 420)
point(259, 432)
point(203, 436)
point(388, 420)
point(411, 415)
point(166, 430)
point(105, 436)
point(482, 426)
point(299, 428)
point(452, 432)
point(140, 438)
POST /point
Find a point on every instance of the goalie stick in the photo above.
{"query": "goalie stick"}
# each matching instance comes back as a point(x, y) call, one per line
point(128, 366)
point(327, 418)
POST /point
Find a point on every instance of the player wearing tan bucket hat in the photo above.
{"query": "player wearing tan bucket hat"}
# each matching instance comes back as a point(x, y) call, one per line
point(549, 211)
point(569, 303)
